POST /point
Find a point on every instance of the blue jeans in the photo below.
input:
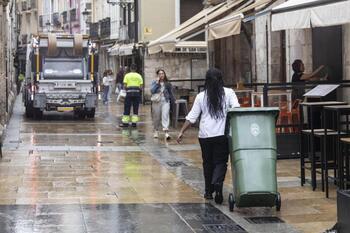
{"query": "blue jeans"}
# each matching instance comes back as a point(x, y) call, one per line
point(105, 94)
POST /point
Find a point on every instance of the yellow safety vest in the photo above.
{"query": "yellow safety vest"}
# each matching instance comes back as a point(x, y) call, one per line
point(133, 79)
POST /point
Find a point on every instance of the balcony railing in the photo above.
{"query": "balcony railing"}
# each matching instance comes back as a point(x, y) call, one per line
point(56, 19)
point(105, 27)
point(131, 30)
point(94, 30)
point(64, 17)
point(73, 15)
point(123, 33)
point(41, 22)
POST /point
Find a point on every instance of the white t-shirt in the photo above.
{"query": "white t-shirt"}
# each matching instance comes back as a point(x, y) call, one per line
point(107, 80)
point(208, 126)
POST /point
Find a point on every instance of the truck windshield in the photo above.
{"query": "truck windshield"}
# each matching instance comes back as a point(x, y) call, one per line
point(63, 69)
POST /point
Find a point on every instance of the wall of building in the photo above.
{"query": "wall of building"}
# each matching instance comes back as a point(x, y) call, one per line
point(156, 16)
point(176, 66)
point(346, 60)
point(7, 50)
point(232, 55)
point(299, 46)
point(188, 8)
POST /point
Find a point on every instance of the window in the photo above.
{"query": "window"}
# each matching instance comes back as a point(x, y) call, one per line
point(73, 15)
point(64, 17)
point(69, 68)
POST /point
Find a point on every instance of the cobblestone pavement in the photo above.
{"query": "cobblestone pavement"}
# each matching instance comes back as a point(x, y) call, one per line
point(61, 174)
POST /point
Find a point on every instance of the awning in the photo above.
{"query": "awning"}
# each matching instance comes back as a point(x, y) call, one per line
point(228, 26)
point(231, 24)
point(121, 49)
point(114, 50)
point(126, 49)
point(300, 14)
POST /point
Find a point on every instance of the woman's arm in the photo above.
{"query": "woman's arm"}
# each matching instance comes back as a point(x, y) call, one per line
point(154, 87)
point(190, 118)
point(186, 125)
point(312, 75)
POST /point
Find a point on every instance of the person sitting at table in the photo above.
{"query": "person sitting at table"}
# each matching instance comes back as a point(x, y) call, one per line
point(299, 76)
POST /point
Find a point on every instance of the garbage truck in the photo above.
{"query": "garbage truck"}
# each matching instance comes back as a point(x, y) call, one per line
point(61, 75)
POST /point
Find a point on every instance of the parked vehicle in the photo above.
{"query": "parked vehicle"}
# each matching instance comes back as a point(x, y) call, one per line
point(61, 75)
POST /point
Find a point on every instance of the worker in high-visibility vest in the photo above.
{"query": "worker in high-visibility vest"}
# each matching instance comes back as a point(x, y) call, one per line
point(133, 83)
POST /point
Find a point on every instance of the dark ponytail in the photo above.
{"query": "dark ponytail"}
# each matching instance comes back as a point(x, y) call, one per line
point(214, 90)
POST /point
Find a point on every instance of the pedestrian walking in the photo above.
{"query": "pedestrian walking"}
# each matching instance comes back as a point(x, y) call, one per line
point(133, 83)
point(119, 80)
point(162, 98)
point(212, 105)
point(110, 79)
point(106, 86)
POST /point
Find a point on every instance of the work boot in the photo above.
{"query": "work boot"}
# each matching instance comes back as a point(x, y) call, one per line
point(124, 125)
point(208, 196)
point(218, 194)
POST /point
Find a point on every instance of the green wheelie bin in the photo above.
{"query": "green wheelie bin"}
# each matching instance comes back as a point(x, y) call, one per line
point(253, 157)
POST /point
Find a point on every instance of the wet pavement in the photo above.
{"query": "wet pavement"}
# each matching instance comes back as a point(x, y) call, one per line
point(62, 174)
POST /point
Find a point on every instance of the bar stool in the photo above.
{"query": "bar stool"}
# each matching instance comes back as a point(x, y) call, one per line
point(344, 164)
point(177, 108)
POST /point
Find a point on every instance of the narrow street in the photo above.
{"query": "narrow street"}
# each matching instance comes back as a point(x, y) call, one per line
point(62, 174)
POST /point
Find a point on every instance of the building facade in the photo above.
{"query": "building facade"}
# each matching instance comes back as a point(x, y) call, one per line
point(8, 63)
point(59, 16)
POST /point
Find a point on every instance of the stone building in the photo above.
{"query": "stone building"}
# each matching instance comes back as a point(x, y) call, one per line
point(185, 61)
point(28, 25)
point(59, 16)
point(8, 74)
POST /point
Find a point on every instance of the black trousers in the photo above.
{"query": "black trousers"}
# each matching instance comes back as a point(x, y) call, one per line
point(134, 101)
point(215, 156)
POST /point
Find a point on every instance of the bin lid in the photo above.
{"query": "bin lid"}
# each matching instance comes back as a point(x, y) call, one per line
point(259, 109)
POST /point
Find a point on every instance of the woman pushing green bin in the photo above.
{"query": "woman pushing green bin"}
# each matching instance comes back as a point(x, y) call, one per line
point(253, 157)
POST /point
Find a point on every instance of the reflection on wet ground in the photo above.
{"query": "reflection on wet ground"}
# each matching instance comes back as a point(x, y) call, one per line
point(62, 174)
point(107, 218)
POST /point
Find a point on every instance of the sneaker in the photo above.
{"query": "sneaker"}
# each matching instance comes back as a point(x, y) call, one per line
point(208, 196)
point(167, 136)
point(156, 134)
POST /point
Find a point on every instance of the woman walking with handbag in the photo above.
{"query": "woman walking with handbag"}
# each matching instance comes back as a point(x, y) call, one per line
point(162, 98)
point(212, 104)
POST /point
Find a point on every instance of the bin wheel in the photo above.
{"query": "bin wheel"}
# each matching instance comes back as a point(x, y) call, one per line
point(231, 202)
point(278, 202)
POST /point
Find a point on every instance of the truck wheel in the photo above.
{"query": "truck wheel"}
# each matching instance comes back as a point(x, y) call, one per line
point(38, 114)
point(29, 111)
point(231, 202)
point(90, 114)
point(80, 113)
